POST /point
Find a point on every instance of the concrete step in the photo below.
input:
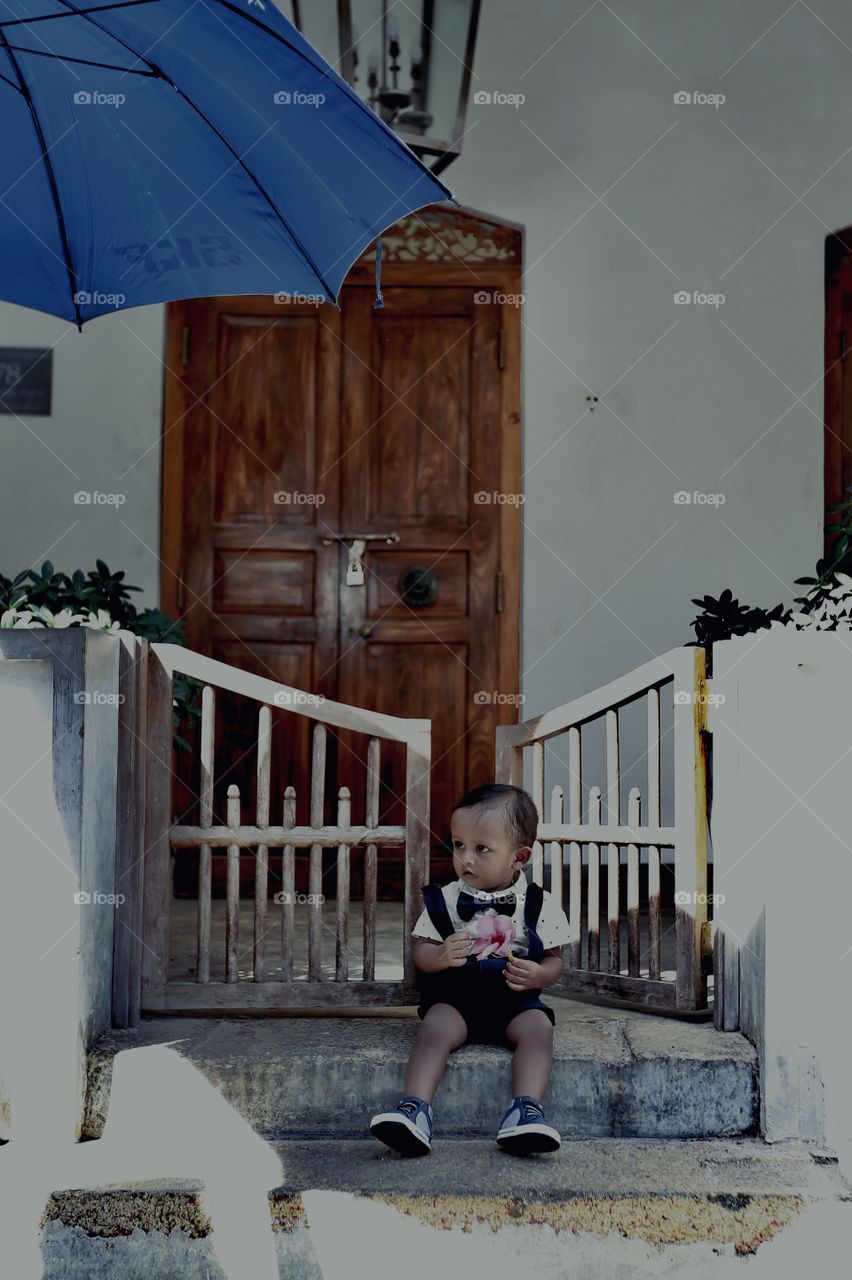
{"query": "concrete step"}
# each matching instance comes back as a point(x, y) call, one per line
point(630, 1076)
point(596, 1207)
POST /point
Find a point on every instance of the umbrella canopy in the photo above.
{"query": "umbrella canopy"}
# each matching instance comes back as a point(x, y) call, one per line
point(156, 149)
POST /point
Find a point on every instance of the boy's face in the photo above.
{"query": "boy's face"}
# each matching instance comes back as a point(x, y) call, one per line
point(484, 854)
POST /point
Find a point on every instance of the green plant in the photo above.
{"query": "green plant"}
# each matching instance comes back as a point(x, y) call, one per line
point(838, 562)
point(725, 617)
point(101, 591)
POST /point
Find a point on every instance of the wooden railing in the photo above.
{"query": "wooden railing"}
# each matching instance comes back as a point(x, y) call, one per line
point(262, 990)
point(594, 819)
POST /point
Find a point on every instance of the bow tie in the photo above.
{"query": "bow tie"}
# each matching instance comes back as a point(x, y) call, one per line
point(467, 906)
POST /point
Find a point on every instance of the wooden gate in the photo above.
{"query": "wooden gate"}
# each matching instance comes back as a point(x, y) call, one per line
point(666, 699)
point(267, 971)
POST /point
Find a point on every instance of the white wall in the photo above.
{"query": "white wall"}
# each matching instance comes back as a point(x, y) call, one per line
point(689, 409)
point(103, 436)
point(783, 853)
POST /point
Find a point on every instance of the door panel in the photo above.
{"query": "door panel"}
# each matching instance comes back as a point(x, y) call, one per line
point(303, 422)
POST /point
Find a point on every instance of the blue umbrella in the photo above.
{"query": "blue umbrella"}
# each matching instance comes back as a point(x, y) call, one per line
point(155, 149)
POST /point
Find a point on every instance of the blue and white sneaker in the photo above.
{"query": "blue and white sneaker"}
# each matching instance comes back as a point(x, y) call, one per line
point(408, 1129)
point(523, 1130)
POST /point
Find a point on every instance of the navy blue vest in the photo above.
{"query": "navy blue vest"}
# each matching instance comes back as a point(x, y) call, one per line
point(433, 900)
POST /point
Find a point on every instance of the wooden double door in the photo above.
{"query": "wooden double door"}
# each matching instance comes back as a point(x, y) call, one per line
point(292, 428)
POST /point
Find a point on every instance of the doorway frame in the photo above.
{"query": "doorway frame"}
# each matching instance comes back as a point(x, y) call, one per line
point(838, 271)
point(440, 245)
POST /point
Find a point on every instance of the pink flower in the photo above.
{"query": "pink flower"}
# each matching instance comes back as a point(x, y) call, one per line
point(493, 934)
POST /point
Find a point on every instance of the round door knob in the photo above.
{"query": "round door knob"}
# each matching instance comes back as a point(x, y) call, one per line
point(367, 631)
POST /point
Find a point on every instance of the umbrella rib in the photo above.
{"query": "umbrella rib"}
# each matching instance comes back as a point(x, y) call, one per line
point(161, 75)
point(86, 62)
point(51, 17)
point(51, 177)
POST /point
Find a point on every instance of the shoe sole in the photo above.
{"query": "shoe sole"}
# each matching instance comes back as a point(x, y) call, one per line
point(395, 1133)
point(528, 1139)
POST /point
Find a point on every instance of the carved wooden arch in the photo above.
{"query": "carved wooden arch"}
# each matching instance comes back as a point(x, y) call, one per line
point(443, 239)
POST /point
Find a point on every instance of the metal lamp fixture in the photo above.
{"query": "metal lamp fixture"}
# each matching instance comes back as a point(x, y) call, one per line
point(411, 61)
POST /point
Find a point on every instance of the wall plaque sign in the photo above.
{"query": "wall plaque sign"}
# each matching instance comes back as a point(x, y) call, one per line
point(26, 380)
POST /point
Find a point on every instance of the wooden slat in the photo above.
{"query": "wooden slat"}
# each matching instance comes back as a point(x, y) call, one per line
point(205, 816)
point(232, 891)
point(315, 872)
point(125, 817)
point(538, 797)
point(654, 917)
point(288, 890)
point(690, 800)
point(341, 715)
point(556, 814)
point(158, 819)
point(261, 869)
point(371, 861)
point(186, 837)
point(594, 921)
point(341, 958)
point(613, 862)
point(655, 932)
point(633, 945)
point(418, 759)
point(594, 704)
point(137, 872)
point(220, 997)
point(659, 995)
point(509, 758)
point(575, 815)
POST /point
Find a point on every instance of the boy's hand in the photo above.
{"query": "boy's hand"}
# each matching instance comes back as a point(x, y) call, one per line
point(456, 950)
point(523, 975)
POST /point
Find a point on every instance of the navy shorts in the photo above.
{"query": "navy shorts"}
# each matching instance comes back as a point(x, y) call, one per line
point(482, 998)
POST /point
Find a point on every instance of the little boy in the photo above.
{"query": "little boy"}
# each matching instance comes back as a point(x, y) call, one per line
point(486, 946)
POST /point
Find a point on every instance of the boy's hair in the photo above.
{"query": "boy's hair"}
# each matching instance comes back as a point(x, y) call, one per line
point(518, 807)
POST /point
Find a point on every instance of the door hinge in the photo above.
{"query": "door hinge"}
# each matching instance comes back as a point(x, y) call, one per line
point(185, 346)
point(498, 592)
point(501, 349)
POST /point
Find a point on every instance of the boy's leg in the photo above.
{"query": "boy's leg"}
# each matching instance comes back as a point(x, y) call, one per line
point(531, 1033)
point(523, 1129)
point(442, 1030)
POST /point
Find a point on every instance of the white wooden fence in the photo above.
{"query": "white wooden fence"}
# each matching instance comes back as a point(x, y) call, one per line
point(594, 819)
point(262, 990)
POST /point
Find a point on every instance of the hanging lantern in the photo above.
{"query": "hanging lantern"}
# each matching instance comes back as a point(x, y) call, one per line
point(412, 62)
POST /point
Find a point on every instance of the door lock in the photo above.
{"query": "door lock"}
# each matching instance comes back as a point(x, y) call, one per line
point(355, 568)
